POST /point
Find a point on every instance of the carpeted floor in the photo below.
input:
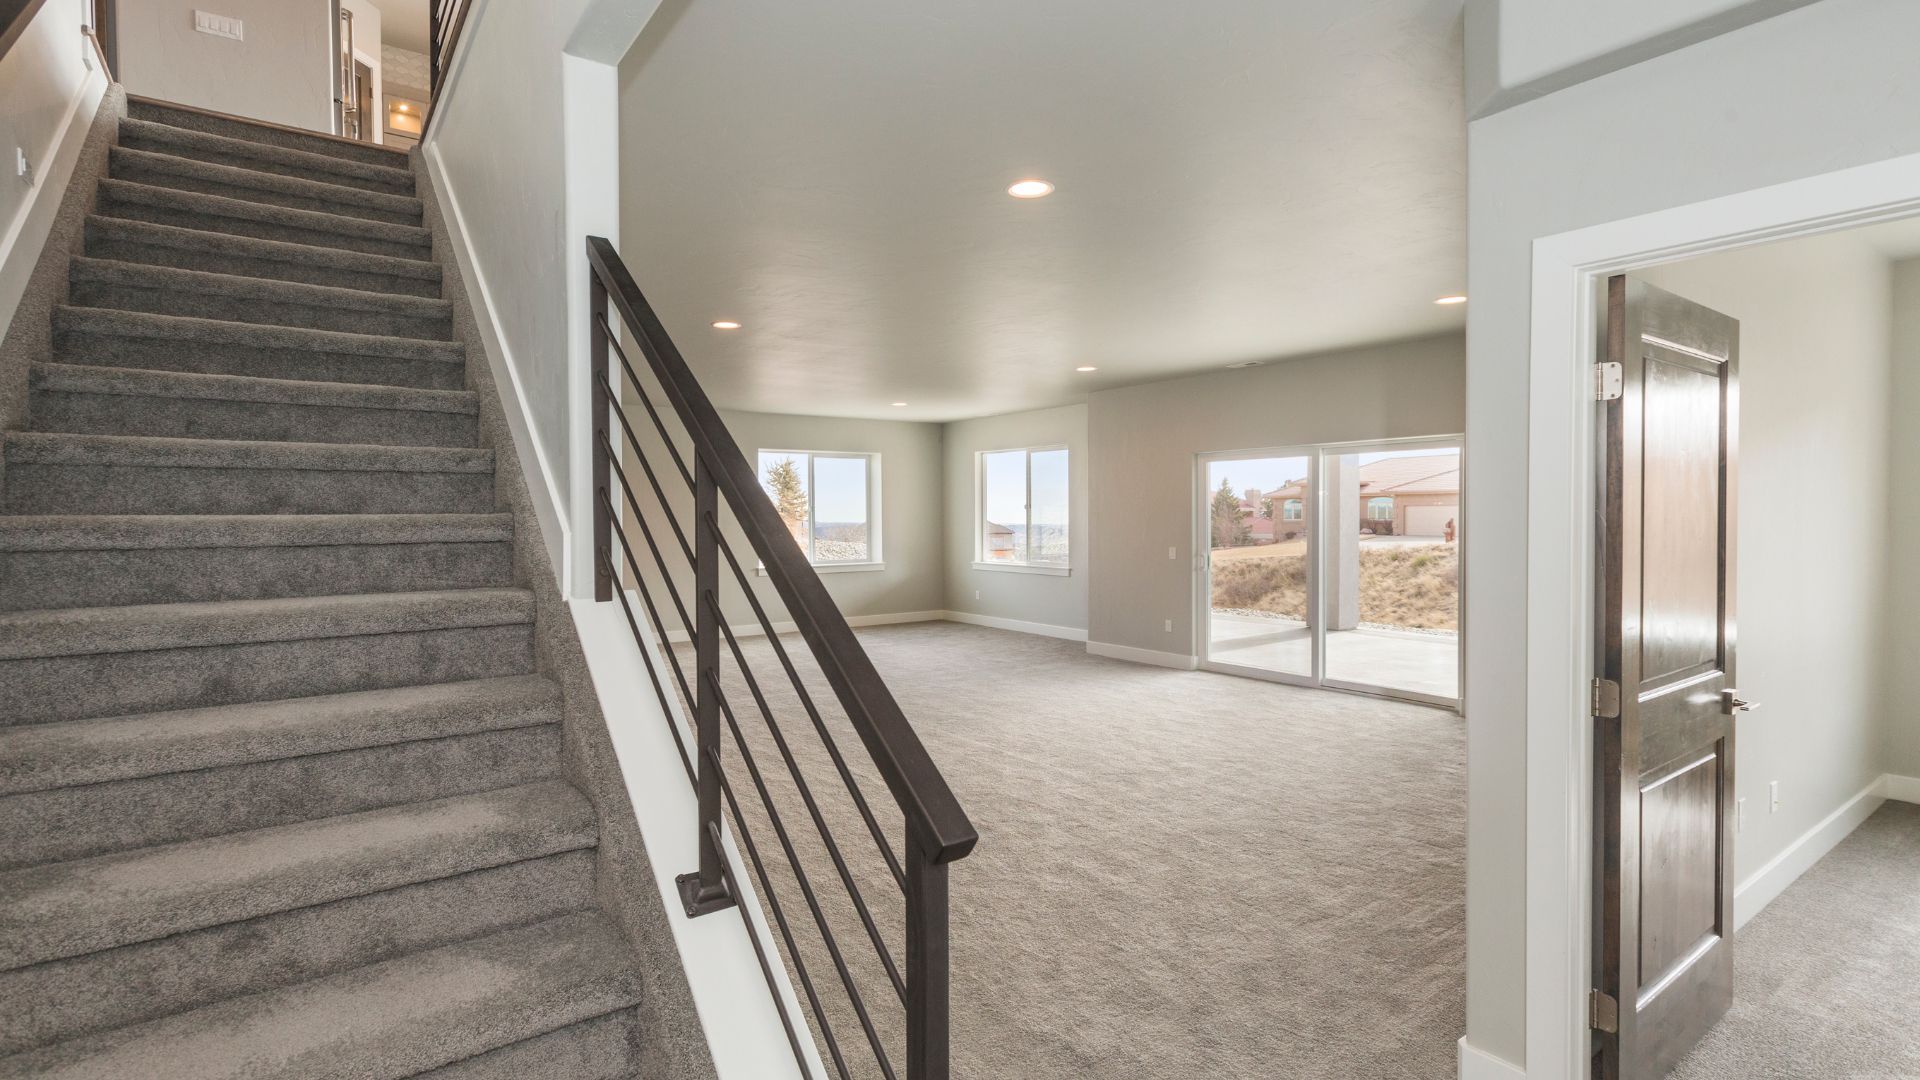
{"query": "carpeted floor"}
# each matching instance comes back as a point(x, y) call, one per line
point(1180, 874)
point(1824, 978)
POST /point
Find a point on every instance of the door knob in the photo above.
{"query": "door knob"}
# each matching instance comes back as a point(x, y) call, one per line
point(1731, 702)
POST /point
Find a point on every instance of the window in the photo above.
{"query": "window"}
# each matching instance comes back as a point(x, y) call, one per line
point(1290, 510)
point(1380, 508)
point(828, 502)
point(1023, 510)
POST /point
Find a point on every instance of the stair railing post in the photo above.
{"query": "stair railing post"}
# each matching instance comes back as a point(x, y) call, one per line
point(928, 959)
point(602, 439)
point(706, 891)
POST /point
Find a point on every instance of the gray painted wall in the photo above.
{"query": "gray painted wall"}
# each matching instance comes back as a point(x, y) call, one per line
point(1903, 714)
point(1143, 440)
point(1815, 434)
point(911, 511)
point(1805, 93)
point(1032, 598)
point(282, 72)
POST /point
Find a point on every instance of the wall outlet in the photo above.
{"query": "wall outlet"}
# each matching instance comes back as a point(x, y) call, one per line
point(225, 26)
point(1173, 553)
point(1740, 814)
point(22, 167)
point(1773, 796)
point(976, 594)
point(1169, 626)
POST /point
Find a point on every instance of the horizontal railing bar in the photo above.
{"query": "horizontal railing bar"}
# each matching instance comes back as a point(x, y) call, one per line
point(659, 560)
point(653, 481)
point(813, 714)
point(935, 820)
point(653, 676)
point(813, 807)
point(653, 611)
point(712, 758)
point(640, 391)
point(854, 996)
point(715, 837)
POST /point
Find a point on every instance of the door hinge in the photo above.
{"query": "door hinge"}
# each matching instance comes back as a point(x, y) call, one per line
point(1609, 381)
point(1606, 699)
point(1603, 1012)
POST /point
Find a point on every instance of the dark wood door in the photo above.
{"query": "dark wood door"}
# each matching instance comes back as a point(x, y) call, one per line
point(1663, 950)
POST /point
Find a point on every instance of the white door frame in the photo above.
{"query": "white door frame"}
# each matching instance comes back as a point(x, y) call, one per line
point(1562, 458)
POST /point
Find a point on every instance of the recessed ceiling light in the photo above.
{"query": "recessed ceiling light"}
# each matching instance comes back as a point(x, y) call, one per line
point(1454, 299)
point(1030, 189)
point(1086, 367)
point(726, 324)
point(899, 404)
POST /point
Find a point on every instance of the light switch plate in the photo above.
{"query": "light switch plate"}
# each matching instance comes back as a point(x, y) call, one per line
point(225, 26)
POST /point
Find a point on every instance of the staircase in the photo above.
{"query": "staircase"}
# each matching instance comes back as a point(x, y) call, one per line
point(280, 787)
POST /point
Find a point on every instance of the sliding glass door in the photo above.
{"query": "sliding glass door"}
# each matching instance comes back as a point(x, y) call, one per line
point(1335, 566)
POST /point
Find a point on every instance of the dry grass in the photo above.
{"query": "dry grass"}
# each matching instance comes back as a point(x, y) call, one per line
point(1414, 586)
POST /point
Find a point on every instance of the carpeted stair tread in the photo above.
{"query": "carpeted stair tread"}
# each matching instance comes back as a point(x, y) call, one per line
point(60, 448)
point(204, 248)
point(45, 756)
point(143, 276)
point(152, 382)
point(190, 118)
point(187, 331)
point(191, 174)
point(118, 198)
point(132, 532)
point(72, 908)
point(225, 150)
point(389, 1020)
point(598, 1049)
point(148, 627)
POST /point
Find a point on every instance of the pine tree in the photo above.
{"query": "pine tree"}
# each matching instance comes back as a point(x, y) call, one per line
point(789, 497)
point(1230, 528)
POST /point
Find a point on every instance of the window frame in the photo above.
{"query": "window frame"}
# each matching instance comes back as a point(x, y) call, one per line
point(875, 559)
point(1374, 504)
point(1023, 566)
point(1293, 510)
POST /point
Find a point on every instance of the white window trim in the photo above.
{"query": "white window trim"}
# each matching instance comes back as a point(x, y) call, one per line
point(980, 560)
point(1292, 510)
point(1373, 506)
point(876, 559)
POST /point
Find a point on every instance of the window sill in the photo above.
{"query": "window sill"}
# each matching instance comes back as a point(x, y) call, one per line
point(1023, 568)
point(833, 568)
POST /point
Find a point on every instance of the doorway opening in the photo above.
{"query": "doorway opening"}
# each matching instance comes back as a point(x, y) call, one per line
point(1334, 566)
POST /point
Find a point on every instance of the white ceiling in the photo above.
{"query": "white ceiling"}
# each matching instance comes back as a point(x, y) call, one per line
point(1238, 180)
point(403, 24)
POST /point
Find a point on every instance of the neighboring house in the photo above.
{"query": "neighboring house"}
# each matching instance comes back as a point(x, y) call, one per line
point(1399, 496)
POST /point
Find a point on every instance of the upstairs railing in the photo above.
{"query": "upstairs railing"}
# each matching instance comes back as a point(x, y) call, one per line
point(936, 829)
point(445, 20)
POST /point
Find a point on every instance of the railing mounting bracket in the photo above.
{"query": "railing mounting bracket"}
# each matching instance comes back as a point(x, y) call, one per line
point(697, 905)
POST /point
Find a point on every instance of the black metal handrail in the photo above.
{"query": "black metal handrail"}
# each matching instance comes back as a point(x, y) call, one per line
point(937, 831)
point(445, 21)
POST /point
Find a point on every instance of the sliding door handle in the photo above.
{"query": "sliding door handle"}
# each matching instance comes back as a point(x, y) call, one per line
point(1731, 702)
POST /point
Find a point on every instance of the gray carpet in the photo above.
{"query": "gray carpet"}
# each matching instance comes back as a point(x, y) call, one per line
point(1825, 978)
point(1180, 874)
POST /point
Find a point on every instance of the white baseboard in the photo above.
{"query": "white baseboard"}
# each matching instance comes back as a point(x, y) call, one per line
point(1477, 1064)
point(26, 234)
point(1180, 661)
point(754, 629)
point(1066, 633)
point(1900, 788)
point(542, 489)
point(1761, 887)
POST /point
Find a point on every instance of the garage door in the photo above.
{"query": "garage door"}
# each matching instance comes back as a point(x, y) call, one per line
point(1430, 520)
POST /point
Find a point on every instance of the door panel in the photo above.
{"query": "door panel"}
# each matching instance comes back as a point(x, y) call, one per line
point(1663, 831)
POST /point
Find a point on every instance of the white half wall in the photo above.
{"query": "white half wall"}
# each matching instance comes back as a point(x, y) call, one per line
point(281, 72)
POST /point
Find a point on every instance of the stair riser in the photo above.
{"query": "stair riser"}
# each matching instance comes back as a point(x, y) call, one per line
point(263, 230)
point(201, 418)
point(138, 489)
point(140, 172)
point(98, 819)
point(47, 689)
point(67, 998)
point(201, 305)
point(214, 262)
point(603, 1048)
point(234, 129)
point(398, 184)
point(40, 580)
point(305, 365)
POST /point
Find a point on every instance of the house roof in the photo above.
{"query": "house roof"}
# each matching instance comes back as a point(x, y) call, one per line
point(1425, 474)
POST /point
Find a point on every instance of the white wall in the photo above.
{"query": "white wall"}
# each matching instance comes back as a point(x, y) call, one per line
point(1903, 713)
point(1041, 599)
point(1814, 555)
point(282, 72)
point(1814, 90)
point(911, 512)
point(50, 84)
point(1143, 440)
